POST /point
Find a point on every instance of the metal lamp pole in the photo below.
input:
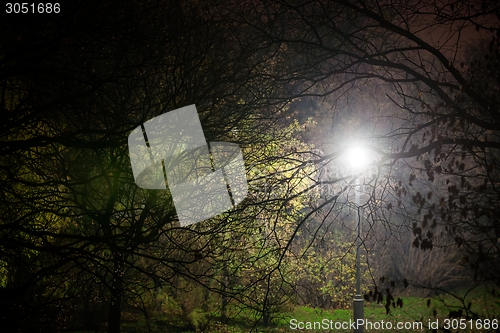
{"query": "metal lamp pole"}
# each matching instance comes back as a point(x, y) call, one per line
point(358, 299)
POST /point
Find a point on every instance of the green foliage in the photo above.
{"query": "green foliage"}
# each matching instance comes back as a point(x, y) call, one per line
point(328, 271)
point(199, 319)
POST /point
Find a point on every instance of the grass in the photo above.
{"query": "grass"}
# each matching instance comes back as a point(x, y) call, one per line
point(415, 309)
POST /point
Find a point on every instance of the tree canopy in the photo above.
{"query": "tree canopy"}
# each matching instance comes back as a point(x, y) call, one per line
point(294, 84)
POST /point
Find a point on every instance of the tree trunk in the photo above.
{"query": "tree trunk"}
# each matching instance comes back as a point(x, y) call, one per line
point(223, 310)
point(266, 315)
point(225, 299)
point(115, 311)
point(206, 299)
point(115, 304)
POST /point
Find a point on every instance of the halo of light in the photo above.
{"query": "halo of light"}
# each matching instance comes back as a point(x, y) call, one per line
point(357, 157)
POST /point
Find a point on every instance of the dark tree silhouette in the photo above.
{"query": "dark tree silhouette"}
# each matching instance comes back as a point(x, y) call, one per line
point(77, 237)
point(77, 233)
point(436, 63)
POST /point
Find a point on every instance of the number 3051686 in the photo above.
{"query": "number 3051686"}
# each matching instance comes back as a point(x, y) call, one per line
point(470, 324)
point(33, 8)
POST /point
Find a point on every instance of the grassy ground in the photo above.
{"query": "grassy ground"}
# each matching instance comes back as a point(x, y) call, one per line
point(427, 311)
point(415, 309)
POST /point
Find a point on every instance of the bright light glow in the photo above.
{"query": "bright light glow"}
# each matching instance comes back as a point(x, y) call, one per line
point(358, 157)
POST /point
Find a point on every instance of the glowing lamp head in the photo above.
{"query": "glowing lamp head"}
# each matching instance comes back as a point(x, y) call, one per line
point(357, 158)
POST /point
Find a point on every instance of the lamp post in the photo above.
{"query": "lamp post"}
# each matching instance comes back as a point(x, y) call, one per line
point(358, 158)
point(358, 299)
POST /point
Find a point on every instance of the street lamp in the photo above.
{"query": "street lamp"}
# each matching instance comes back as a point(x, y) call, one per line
point(358, 159)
